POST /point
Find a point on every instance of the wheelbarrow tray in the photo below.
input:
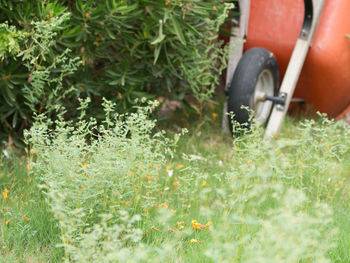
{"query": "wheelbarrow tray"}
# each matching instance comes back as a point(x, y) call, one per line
point(324, 82)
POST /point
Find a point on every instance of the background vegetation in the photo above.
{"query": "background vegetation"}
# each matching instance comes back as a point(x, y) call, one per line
point(102, 182)
point(116, 49)
point(121, 193)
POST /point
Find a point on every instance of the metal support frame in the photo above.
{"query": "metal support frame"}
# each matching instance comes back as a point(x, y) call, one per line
point(313, 10)
point(239, 31)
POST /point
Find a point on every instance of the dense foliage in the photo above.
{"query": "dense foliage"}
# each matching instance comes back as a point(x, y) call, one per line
point(117, 49)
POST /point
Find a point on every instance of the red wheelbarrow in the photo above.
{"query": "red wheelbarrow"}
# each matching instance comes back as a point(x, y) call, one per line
point(306, 42)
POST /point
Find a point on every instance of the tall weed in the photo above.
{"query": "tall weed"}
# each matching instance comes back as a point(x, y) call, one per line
point(120, 196)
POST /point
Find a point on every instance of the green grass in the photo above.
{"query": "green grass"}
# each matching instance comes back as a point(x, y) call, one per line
point(262, 198)
point(28, 232)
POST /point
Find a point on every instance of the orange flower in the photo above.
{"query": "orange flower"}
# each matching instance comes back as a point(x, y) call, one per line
point(214, 116)
point(156, 229)
point(196, 225)
point(167, 2)
point(164, 205)
point(209, 224)
point(199, 226)
point(172, 229)
point(4, 194)
point(176, 183)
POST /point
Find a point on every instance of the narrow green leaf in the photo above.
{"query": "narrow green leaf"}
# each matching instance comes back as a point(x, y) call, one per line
point(156, 53)
point(160, 37)
point(178, 30)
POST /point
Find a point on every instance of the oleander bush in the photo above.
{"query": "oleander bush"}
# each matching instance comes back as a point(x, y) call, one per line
point(53, 52)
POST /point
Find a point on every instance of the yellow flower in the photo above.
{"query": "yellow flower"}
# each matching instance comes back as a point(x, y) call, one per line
point(180, 223)
point(4, 194)
point(179, 166)
point(173, 211)
point(28, 167)
point(195, 241)
point(181, 227)
point(7, 222)
point(84, 164)
point(204, 183)
point(31, 151)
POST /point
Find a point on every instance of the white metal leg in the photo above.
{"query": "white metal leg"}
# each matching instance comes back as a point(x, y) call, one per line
point(237, 40)
point(293, 72)
point(238, 35)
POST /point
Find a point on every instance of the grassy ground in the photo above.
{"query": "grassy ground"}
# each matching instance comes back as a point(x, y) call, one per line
point(232, 186)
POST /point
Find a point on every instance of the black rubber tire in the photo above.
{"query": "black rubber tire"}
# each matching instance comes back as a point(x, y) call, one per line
point(244, 80)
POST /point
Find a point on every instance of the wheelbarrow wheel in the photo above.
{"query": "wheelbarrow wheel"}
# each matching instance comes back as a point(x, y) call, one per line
point(255, 77)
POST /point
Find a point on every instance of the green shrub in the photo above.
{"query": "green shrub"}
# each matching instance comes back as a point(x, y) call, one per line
point(120, 50)
point(90, 170)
